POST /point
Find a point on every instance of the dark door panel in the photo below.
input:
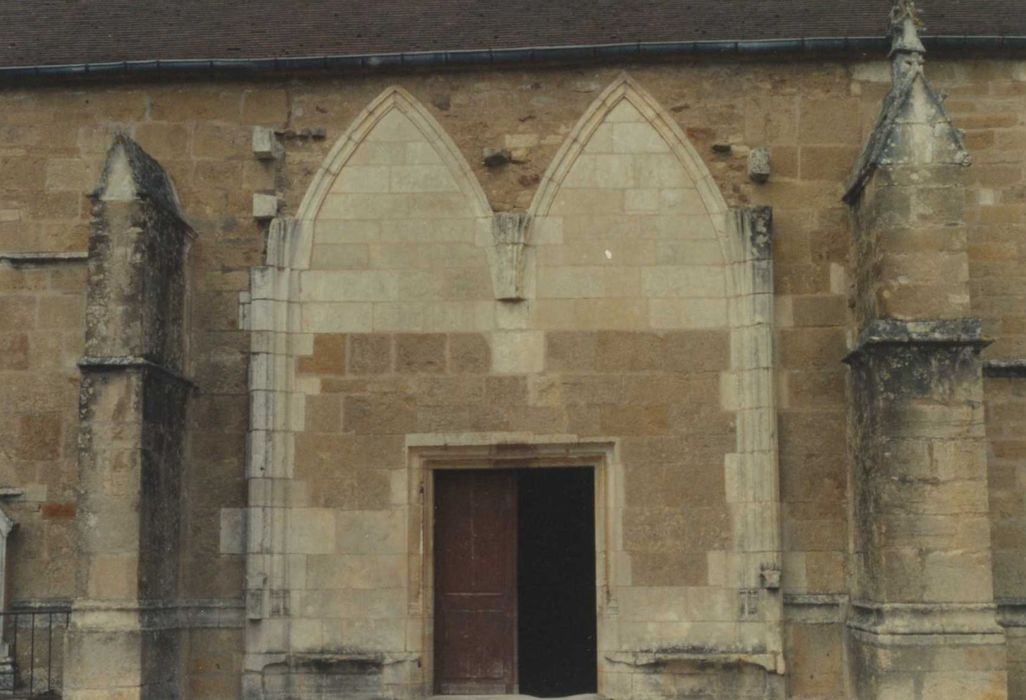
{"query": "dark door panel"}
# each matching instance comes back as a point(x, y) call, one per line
point(475, 582)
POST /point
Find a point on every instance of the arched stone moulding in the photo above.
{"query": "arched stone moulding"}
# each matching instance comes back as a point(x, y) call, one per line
point(625, 88)
point(272, 314)
point(393, 98)
point(751, 471)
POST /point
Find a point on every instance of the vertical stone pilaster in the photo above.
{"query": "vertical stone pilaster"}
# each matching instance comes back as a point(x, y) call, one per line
point(752, 472)
point(7, 669)
point(922, 621)
point(123, 634)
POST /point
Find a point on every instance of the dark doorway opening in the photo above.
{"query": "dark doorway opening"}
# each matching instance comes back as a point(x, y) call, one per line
point(515, 582)
point(556, 582)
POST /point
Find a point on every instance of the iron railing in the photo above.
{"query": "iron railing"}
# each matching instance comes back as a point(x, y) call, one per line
point(32, 652)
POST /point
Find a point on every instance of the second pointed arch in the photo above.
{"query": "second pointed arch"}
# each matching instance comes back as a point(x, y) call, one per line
point(626, 89)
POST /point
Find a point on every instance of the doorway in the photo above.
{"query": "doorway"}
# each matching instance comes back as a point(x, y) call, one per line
point(515, 582)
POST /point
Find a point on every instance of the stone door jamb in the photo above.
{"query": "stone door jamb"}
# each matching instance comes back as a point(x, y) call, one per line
point(427, 453)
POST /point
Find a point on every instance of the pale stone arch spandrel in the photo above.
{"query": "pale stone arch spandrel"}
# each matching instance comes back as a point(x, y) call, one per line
point(391, 102)
point(626, 89)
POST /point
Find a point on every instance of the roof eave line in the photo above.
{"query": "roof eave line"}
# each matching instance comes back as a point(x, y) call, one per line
point(535, 54)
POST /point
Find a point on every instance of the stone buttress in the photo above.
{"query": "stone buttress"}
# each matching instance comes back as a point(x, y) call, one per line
point(123, 641)
point(922, 620)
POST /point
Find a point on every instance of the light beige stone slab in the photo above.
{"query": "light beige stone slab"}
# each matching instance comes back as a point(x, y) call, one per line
point(348, 286)
point(370, 532)
point(310, 531)
point(337, 318)
point(684, 281)
point(420, 153)
point(680, 201)
point(459, 230)
point(688, 313)
point(435, 256)
point(600, 172)
point(637, 137)
point(338, 232)
point(660, 171)
point(395, 126)
point(373, 635)
point(653, 604)
point(441, 316)
point(588, 201)
point(362, 178)
point(421, 178)
point(689, 252)
point(516, 352)
point(339, 257)
point(361, 571)
point(641, 200)
point(380, 153)
point(624, 111)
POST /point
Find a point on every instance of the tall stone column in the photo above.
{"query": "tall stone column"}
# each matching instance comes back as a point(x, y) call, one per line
point(123, 640)
point(922, 621)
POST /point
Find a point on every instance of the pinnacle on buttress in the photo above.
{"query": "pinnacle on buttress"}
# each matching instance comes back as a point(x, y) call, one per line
point(906, 48)
point(129, 173)
point(905, 26)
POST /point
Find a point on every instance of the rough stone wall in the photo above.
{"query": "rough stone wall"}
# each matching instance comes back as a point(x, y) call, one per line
point(41, 326)
point(1007, 474)
point(996, 215)
point(813, 117)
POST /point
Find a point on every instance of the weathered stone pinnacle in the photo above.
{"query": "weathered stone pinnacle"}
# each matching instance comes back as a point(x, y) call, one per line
point(905, 26)
point(906, 48)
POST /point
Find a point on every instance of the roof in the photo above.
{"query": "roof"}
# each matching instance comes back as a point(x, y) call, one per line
point(55, 32)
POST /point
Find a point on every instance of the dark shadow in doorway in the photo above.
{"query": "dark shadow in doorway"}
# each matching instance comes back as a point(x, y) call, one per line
point(556, 597)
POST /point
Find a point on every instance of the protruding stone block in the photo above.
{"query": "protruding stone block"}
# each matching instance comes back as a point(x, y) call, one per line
point(496, 157)
point(266, 145)
point(510, 233)
point(265, 206)
point(759, 164)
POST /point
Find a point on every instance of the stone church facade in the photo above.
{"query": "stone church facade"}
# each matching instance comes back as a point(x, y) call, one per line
point(356, 386)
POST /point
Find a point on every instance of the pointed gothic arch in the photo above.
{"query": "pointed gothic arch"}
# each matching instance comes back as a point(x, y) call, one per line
point(626, 90)
point(393, 103)
point(424, 173)
point(744, 241)
point(396, 99)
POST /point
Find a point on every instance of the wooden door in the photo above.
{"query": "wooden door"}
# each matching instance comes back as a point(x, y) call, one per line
point(475, 555)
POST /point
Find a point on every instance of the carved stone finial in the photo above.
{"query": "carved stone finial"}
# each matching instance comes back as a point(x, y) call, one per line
point(913, 127)
point(905, 26)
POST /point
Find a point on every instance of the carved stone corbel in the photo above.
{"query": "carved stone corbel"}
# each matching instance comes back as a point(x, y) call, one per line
point(509, 230)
